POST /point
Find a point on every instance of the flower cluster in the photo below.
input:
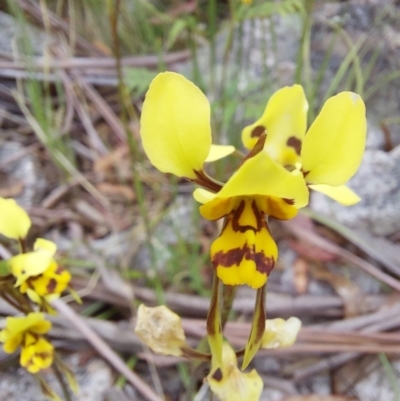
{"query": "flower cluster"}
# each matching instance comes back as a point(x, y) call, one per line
point(29, 281)
point(285, 161)
point(28, 333)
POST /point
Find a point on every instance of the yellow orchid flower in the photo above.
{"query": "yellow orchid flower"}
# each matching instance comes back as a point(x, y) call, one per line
point(38, 274)
point(228, 383)
point(34, 263)
point(176, 135)
point(329, 153)
point(245, 252)
point(36, 354)
point(27, 332)
point(14, 221)
point(46, 286)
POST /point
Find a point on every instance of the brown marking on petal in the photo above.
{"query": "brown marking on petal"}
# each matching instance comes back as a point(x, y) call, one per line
point(260, 218)
point(258, 131)
point(44, 355)
point(264, 264)
point(233, 257)
point(305, 173)
point(217, 375)
point(51, 286)
point(294, 143)
point(230, 258)
point(288, 201)
point(59, 270)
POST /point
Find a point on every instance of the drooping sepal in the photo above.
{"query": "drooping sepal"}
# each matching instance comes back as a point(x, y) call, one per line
point(214, 327)
point(257, 328)
point(341, 194)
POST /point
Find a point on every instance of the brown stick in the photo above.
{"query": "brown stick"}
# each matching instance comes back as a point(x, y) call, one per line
point(105, 351)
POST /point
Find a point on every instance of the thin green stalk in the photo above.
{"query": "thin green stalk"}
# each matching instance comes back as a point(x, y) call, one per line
point(394, 382)
point(197, 78)
point(304, 50)
point(303, 68)
point(61, 381)
point(225, 61)
point(129, 111)
point(212, 30)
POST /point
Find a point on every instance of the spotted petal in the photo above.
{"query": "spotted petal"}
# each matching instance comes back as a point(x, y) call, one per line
point(284, 121)
point(175, 125)
point(335, 142)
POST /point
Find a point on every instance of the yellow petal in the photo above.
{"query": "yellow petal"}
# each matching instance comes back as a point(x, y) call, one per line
point(175, 125)
point(342, 194)
point(19, 324)
point(228, 383)
point(18, 327)
point(219, 152)
point(42, 244)
point(201, 195)
point(245, 252)
point(335, 143)
point(260, 175)
point(29, 264)
point(14, 221)
point(284, 121)
point(12, 343)
point(218, 207)
point(37, 356)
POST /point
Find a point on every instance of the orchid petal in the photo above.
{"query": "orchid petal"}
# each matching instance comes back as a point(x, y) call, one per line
point(335, 143)
point(260, 175)
point(342, 194)
point(284, 121)
point(218, 152)
point(175, 125)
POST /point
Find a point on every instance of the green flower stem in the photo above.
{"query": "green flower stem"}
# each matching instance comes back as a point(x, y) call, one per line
point(61, 381)
point(191, 353)
point(15, 299)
